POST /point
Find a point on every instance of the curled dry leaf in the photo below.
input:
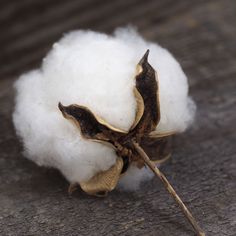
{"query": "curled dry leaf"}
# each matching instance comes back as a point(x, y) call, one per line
point(105, 181)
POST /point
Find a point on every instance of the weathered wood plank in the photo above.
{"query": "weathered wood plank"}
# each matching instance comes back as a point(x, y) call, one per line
point(135, 12)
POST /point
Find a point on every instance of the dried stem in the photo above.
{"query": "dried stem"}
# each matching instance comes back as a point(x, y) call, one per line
point(169, 188)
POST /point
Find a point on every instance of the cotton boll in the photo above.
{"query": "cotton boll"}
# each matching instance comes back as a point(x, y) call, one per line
point(97, 71)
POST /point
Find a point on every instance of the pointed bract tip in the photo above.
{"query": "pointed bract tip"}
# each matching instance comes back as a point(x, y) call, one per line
point(144, 58)
point(146, 53)
point(61, 108)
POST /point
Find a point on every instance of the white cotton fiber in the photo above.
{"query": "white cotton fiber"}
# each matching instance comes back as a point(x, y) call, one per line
point(94, 70)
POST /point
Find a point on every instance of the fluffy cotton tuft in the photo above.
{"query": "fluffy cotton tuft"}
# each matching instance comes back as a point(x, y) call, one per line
point(94, 70)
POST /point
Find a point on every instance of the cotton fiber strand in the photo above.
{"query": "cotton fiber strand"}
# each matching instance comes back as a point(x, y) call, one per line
point(97, 71)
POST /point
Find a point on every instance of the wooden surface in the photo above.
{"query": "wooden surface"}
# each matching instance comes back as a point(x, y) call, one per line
point(202, 36)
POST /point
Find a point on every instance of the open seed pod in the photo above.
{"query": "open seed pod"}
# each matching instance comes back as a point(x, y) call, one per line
point(128, 144)
point(146, 120)
point(125, 120)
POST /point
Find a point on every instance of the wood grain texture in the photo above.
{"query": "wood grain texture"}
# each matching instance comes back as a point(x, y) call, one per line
point(201, 35)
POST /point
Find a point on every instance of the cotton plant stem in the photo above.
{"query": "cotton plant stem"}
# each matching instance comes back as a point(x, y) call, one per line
point(169, 188)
